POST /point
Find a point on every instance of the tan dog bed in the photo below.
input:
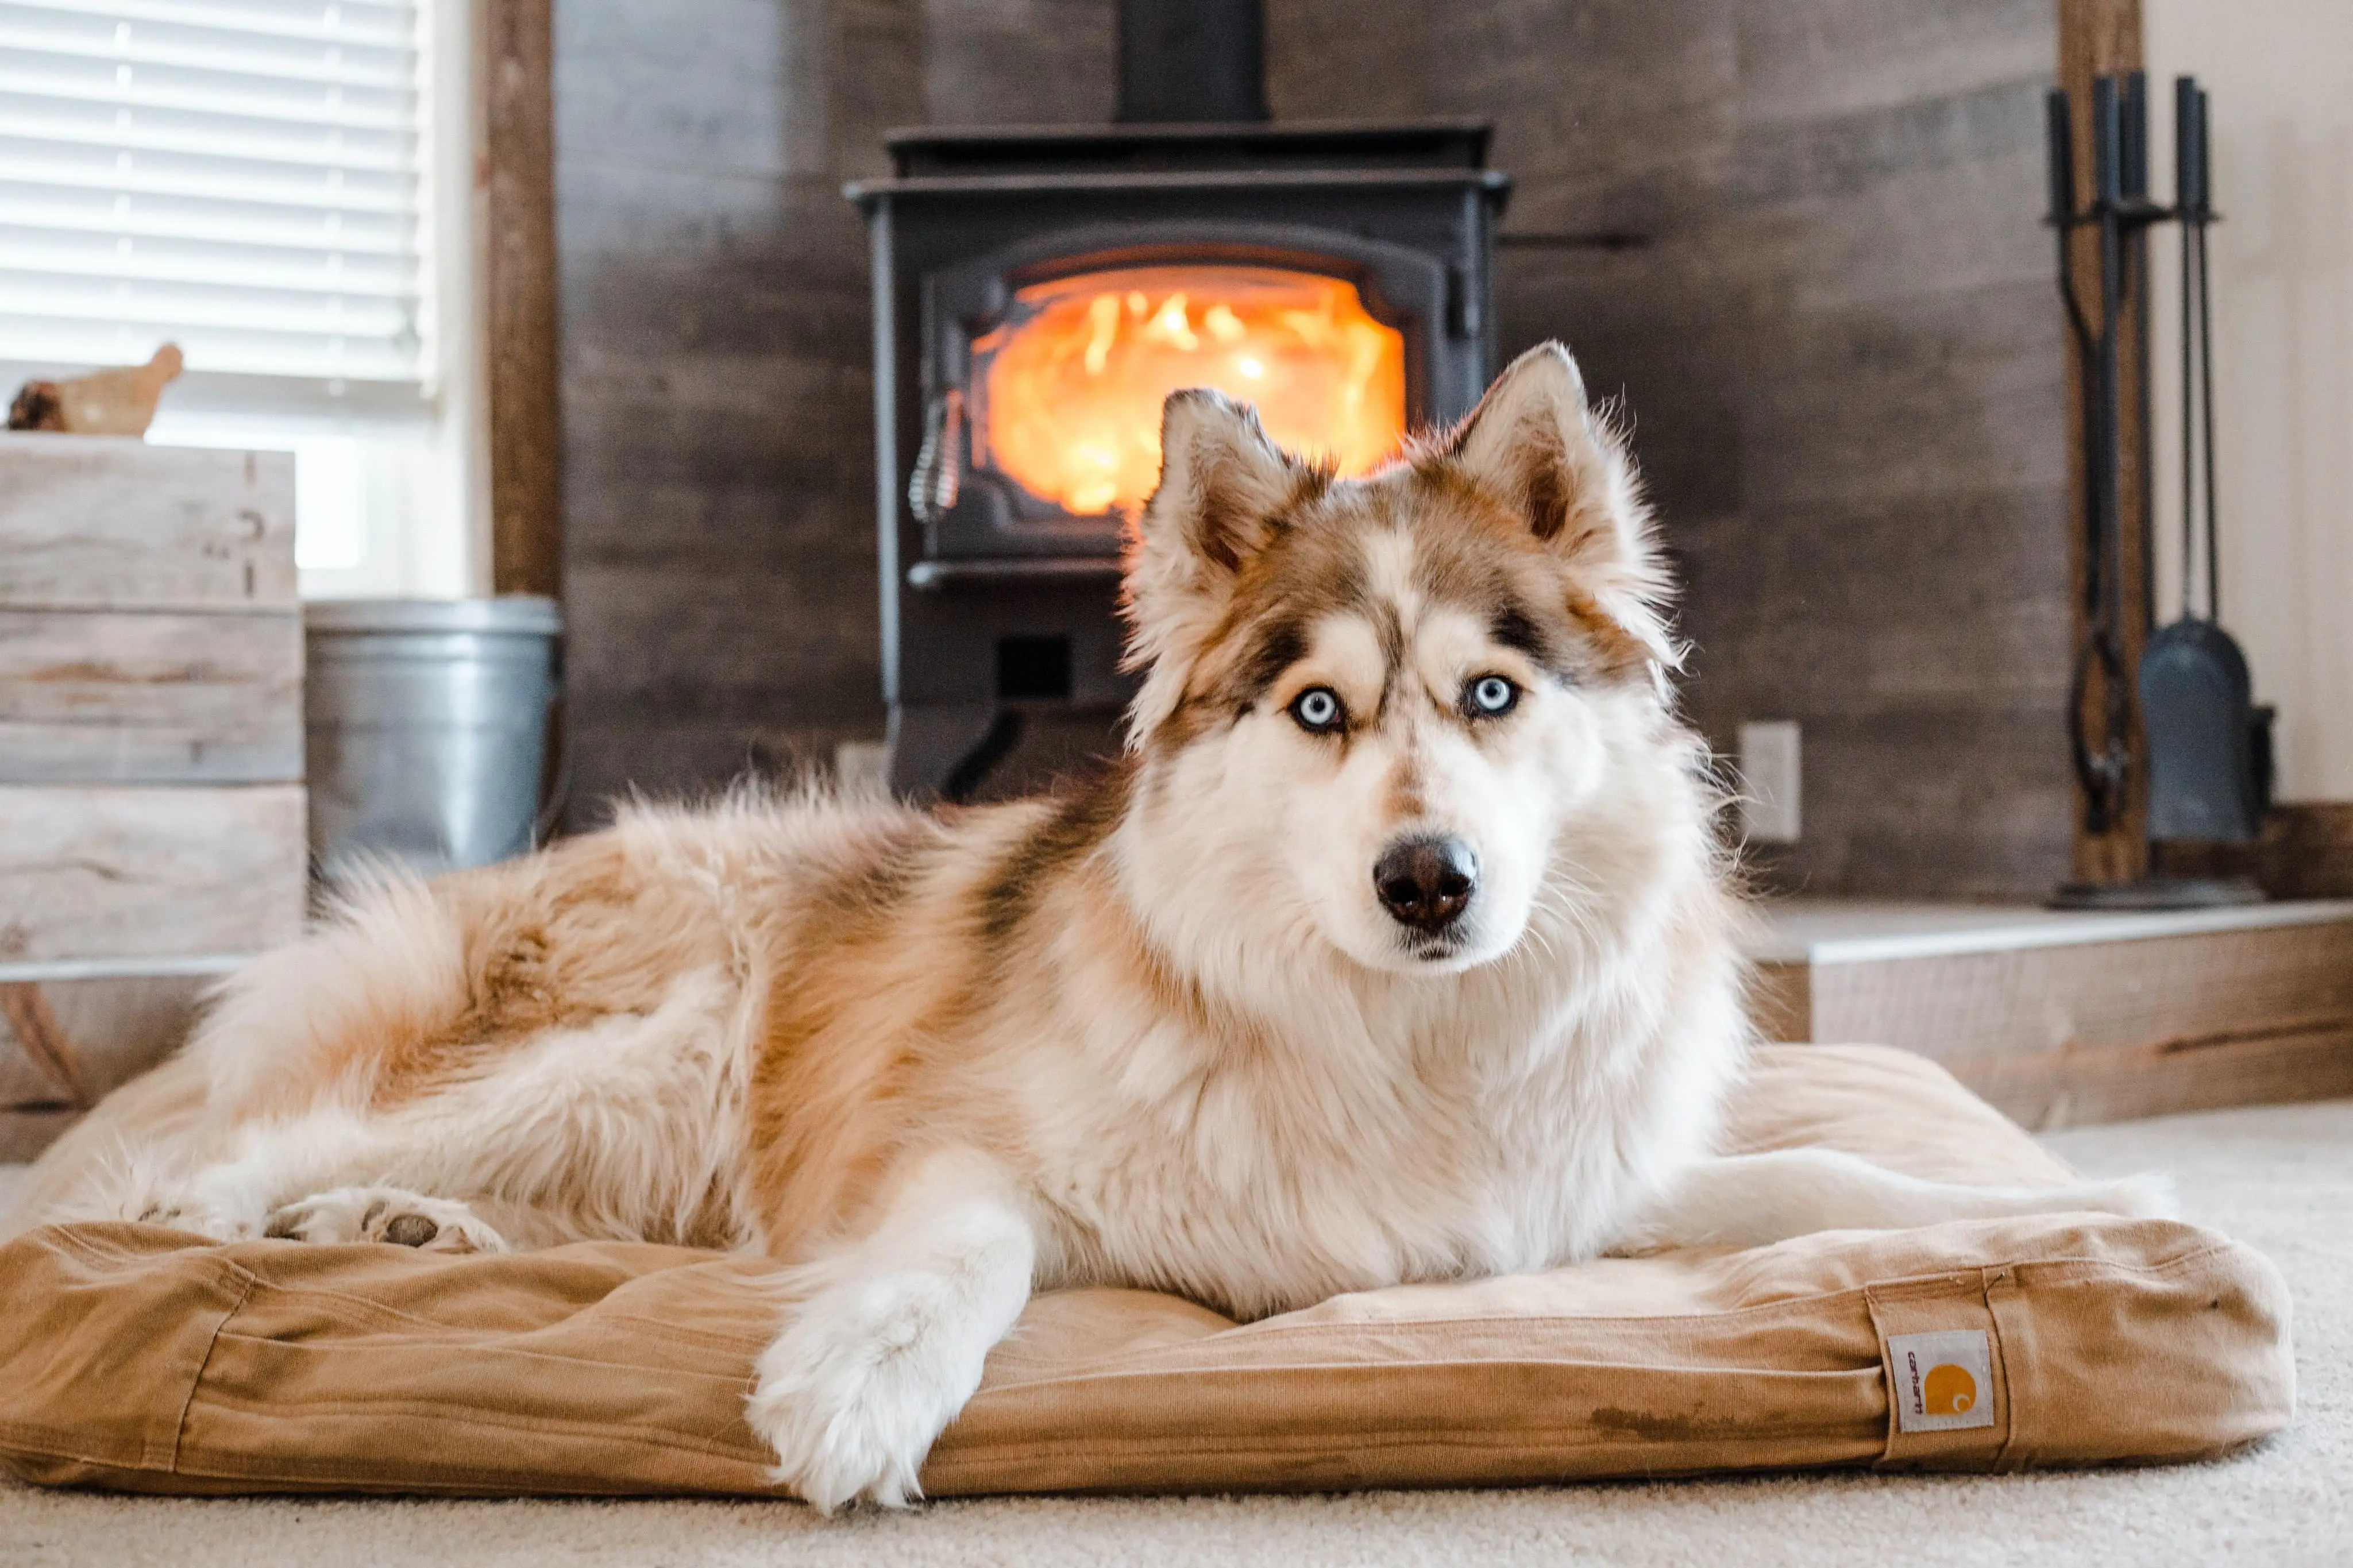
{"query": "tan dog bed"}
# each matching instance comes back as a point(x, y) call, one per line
point(140, 1358)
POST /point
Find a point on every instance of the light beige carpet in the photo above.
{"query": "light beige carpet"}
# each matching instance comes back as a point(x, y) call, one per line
point(2279, 1177)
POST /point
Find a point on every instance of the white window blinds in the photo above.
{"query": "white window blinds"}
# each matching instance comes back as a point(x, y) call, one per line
point(245, 177)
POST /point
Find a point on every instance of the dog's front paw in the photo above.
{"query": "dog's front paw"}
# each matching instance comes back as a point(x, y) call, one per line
point(853, 1392)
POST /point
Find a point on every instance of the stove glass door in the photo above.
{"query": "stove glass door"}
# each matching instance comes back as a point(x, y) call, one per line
point(1065, 389)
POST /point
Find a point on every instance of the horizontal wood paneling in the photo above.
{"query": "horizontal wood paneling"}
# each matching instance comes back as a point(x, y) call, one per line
point(99, 696)
point(717, 384)
point(1829, 614)
point(753, 630)
point(120, 524)
point(1820, 58)
point(133, 873)
point(724, 418)
point(1969, 800)
point(1013, 62)
point(1893, 402)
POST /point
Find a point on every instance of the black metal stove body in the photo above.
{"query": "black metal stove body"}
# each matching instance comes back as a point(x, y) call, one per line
point(999, 612)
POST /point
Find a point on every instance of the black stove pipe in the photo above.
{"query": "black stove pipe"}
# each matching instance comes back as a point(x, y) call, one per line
point(1191, 61)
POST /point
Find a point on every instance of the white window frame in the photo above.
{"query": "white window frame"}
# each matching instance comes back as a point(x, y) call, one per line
point(405, 471)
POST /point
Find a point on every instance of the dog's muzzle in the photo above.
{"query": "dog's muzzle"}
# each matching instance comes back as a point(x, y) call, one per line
point(1426, 882)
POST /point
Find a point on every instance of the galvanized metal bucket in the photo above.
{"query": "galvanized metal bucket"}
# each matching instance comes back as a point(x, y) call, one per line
point(427, 724)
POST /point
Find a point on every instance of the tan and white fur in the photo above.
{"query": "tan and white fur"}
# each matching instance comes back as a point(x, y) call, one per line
point(1398, 947)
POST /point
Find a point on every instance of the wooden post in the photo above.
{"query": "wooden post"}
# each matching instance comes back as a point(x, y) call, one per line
point(518, 172)
point(2102, 37)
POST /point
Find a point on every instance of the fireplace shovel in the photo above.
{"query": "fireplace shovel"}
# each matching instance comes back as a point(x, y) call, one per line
point(2209, 744)
point(2207, 739)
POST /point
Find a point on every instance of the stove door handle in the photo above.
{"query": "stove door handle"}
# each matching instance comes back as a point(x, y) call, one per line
point(939, 466)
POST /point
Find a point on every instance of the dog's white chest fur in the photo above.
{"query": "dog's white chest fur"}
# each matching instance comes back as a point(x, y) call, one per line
point(1351, 1154)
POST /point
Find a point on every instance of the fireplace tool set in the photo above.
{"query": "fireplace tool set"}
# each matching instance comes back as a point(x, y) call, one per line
point(2208, 745)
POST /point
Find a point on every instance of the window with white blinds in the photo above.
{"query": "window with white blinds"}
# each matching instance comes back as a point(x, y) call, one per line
point(247, 178)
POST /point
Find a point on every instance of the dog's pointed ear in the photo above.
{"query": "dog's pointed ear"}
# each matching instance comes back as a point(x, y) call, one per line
point(1224, 489)
point(1535, 442)
point(1221, 480)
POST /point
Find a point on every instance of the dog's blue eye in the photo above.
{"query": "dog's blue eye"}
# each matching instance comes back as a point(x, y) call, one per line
point(1490, 695)
point(1318, 709)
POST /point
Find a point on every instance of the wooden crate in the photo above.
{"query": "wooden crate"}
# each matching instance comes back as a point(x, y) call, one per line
point(151, 831)
point(99, 523)
point(2064, 1018)
point(109, 874)
point(149, 697)
point(150, 632)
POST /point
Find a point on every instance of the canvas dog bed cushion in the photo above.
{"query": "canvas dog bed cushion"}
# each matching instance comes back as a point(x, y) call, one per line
point(140, 1358)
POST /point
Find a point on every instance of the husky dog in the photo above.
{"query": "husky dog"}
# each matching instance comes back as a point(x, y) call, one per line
point(1398, 946)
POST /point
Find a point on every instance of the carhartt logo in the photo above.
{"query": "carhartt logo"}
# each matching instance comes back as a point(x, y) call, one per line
point(1949, 1390)
point(1942, 1382)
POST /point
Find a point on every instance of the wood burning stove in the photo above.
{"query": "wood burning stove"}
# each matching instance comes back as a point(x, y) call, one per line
point(1038, 290)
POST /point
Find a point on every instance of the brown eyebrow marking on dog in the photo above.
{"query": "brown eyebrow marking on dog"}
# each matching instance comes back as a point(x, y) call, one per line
point(1561, 627)
point(1468, 568)
point(1513, 628)
point(1284, 590)
point(1278, 646)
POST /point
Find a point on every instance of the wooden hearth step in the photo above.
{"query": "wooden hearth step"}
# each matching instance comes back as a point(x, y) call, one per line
point(2075, 1017)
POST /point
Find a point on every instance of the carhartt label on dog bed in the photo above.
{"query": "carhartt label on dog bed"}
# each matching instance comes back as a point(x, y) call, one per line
point(1943, 1382)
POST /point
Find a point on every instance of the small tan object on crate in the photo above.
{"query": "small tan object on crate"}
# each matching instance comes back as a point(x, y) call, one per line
point(115, 402)
point(151, 752)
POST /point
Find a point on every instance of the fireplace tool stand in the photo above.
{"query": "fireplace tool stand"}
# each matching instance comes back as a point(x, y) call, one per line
point(2207, 745)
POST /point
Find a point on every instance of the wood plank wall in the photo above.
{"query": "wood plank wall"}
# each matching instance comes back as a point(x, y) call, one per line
point(718, 499)
point(1803, 239)
point(718, 506)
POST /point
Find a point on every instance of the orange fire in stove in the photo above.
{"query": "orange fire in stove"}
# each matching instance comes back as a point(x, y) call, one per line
point(1071, 384)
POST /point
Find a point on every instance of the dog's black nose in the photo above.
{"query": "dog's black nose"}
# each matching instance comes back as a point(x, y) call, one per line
point(1426, 883)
